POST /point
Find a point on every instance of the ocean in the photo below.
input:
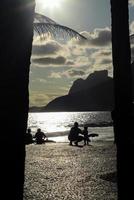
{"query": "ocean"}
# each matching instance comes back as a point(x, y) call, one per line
point(56, 125)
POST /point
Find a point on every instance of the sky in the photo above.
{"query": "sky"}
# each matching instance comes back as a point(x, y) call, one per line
point(55, 65)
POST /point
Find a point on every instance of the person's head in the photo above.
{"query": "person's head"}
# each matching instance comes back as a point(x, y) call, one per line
point(38, 130)
point(76, 124)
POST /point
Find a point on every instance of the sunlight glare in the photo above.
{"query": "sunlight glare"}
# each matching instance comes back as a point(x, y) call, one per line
point(51, 4)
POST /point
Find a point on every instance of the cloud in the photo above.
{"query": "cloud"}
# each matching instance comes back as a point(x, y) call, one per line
point(55, 75)
point(102, 59)
point(41, 99)
point(38, 99)
point(132, 27)
point(102, 53)
point(59, 60)
point(74, 53)
point(38, 80)
point(46, 48)
point(70, 63)
point(75, 73)
point(71, 73)
point(106, 61)
point(131, 2)
point(100, 37)
point(105, 52)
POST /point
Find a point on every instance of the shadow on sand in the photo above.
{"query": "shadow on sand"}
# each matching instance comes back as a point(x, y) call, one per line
point(112, 177)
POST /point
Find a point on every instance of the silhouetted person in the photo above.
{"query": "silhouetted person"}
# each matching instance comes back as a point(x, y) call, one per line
point(86, 137)
point(113, 116)
point(74, 134)
point(28, 137)
point(40, 136)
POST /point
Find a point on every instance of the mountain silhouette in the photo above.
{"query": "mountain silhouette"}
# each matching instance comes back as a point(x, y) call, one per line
point(95, 93)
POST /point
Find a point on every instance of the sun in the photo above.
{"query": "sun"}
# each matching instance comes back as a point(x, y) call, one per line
point(51, 4)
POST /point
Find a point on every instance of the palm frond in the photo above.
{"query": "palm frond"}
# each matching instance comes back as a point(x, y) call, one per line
point(45, 26)
point(43, 19)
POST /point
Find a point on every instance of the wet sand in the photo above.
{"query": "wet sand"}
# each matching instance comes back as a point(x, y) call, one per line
point(56, 171)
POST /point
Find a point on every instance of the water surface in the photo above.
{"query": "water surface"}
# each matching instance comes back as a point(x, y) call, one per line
point(58, 124)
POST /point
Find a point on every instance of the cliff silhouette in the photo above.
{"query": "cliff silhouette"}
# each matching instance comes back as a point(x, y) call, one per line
point(95, 93)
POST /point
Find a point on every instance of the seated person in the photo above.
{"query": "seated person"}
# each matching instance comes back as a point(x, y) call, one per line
point(40, 136)
point(28, 137)
point(74, 134)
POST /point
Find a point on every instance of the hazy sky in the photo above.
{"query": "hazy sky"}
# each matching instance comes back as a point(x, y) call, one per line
point(56, 65)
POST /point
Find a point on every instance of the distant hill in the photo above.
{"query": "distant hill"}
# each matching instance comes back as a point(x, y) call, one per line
point(92, 94)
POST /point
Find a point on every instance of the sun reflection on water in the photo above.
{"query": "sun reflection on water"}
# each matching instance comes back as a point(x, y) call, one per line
point(62, 121)
point(57, 124)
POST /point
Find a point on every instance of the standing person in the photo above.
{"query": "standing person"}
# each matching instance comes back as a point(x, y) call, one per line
point(40, 136)
point(74, 134)
point(28, 137)
point(114, 119)
point(86, 137)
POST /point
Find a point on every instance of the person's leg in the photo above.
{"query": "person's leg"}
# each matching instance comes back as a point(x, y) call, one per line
point(88, 140)
point(70, 142)
point(76, 143)
point(43, 141)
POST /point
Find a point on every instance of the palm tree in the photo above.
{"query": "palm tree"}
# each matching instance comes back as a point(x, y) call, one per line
point(123, 118)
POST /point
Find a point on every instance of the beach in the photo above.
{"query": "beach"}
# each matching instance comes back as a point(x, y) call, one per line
point(56, 171)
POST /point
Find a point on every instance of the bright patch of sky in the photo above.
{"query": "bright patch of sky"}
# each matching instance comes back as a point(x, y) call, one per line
point(55, 66)
point(78, 14)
